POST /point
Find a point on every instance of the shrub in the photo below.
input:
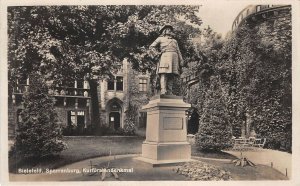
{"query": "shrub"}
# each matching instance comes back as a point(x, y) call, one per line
point(38, 134)
point(214, 130)
point(129, 127)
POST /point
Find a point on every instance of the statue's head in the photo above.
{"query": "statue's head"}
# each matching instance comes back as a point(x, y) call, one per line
point(166, 30)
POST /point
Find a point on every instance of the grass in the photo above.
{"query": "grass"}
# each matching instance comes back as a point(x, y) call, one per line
point(259, 172)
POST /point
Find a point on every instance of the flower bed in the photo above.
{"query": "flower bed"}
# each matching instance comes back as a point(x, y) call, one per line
point(203, 171)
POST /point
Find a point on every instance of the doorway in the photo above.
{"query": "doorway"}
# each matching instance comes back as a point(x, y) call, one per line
point(114, 113)
point(114, 120)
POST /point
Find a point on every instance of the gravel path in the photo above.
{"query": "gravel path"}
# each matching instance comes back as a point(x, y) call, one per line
point(282, 161)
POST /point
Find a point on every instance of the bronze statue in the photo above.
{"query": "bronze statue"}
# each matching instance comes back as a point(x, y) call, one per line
point(170, 59)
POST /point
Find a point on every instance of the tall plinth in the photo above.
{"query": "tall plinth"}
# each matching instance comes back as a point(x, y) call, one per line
point(166, 131)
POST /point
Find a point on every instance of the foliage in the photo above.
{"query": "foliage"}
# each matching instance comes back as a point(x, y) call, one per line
point(214, 130)
point(129, 127)
point(107, 130)
point(253, 67)
point(72, 130)
point(133, 102)
point(64, 43)
point(200, 171)
point(256, 71)
point(208, 50)
point(67, 42)
point(38, 134)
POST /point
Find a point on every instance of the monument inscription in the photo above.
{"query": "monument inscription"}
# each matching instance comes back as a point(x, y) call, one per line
point(173, 123)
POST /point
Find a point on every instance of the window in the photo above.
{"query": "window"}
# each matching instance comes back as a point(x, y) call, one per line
point(73, 119)
point(142, 85)
point(115, 84)
point(119, 83)
point(110, 84)
point(258, 8)
point(76, 118)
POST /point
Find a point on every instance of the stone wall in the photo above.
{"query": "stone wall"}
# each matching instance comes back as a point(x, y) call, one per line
point(130, 93)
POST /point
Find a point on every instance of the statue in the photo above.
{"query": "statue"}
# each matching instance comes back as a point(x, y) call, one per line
point(166, 139)
point(170, 59)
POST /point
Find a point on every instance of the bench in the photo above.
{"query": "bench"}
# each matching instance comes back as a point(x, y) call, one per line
point(248, 143)
point(260, 143)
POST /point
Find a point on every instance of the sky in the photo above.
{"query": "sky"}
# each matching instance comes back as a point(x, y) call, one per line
point(221, 14)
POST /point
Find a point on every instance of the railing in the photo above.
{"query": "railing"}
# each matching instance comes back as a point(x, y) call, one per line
point(70, 92)
point(192, 78)
point(57, 91)
point(253, 10)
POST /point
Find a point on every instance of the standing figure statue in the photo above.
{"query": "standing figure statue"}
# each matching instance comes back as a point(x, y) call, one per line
point(168, 67)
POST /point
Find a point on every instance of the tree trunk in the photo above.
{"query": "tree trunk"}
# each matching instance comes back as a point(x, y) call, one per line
point(95, 114)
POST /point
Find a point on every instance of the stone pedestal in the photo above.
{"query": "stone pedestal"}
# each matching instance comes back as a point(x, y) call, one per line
point(166, 131)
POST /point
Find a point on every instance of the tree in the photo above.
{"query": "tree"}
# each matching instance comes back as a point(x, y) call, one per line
point(38, 134)
point(208, 47)
point(214, 130)
point(68, 42)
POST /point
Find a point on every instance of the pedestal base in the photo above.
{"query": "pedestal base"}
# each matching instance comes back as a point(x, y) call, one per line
point(165, 153)
point(166, 136)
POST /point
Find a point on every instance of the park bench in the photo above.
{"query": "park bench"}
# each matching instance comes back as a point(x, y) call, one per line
point(260, 143)
point(248, 143)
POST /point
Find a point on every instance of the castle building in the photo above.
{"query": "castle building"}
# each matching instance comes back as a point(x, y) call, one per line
point(114, 95)
point(73, 101)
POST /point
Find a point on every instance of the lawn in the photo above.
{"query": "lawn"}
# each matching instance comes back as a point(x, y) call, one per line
point(81, 148)
point(259, 172)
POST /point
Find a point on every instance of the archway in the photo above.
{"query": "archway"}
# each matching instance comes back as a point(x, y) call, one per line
point(114, 113)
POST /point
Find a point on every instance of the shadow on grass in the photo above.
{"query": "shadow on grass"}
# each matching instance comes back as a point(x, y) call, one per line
point(211, 154)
